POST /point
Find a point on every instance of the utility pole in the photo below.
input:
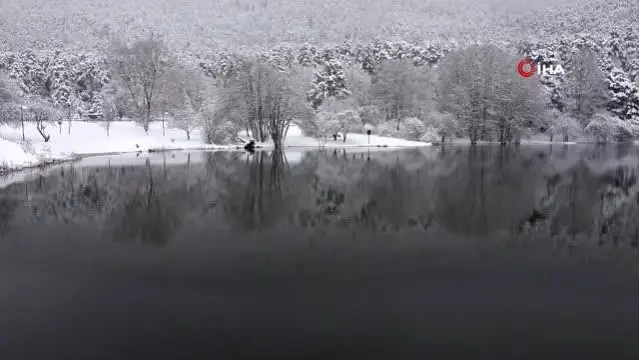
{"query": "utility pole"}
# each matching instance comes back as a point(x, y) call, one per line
point(22, 108)
point(163, 127)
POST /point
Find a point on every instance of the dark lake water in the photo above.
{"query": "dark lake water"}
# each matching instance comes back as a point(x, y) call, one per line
point(512, 253)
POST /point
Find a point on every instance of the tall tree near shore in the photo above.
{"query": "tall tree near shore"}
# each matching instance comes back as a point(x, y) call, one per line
point(487, 96)
point(400, 89)
point(141, 67)
point(330, 82)
point(586, 86)
point(265, 100)
point(185, 99)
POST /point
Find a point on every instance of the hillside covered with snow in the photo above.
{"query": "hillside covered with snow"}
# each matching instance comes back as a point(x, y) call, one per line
point(227, 25)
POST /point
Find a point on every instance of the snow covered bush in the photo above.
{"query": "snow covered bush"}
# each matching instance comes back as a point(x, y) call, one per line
point(445, 125)
point(326, 125)
point(309, 126)
point(600, 130)
point(563, 125)
point(348, 122)
point(370, 114)
point(338, 115)
point(606, 128)
point(431, 135)
point(388, 128)
point(624, 130)
point(412, 129)
point(220, 134)
point(187, 119)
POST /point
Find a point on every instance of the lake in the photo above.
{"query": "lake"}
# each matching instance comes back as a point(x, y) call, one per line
point(513, 253)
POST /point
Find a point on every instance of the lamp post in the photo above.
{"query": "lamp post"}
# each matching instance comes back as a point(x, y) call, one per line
point(369, 130)
point(163, 115)
point(22, 110)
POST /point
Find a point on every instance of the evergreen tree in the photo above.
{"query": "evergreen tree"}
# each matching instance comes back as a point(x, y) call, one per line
point(624, 98)
point(554, 84)
point(631, 54)
point(330, 82)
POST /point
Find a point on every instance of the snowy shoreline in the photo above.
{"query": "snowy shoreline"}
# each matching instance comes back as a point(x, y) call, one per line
point(6, 170)
point(78, 140)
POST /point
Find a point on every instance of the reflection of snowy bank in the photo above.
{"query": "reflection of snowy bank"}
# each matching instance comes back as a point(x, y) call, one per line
point(574, 193)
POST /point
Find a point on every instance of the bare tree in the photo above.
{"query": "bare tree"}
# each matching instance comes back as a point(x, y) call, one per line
point(42, 113)
point(141, 67)
point(252, 82)
point(517, 105)
point(563, 124)
point(479, 87)
point(119, 99)
point(445, 124)
point(400, 89)
point(109, 111)
point(348, 121)
point(187, 118)
point(265, 101)
point(283, 104)
point(185, 99)
point(359, 83)
point(586, 85)
point(326, 125)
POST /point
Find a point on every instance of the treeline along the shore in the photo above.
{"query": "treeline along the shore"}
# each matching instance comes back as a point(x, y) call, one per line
point(431, 91)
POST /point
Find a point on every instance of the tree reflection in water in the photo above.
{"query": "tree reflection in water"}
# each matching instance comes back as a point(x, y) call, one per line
point(149, 215)
point(574, 194)
point(255, 194)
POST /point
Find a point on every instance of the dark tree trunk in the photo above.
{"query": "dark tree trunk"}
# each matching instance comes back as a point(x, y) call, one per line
point(147, 121)
point(40, 128)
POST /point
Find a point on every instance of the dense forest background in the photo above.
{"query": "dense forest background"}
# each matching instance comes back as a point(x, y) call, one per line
point(426, 70)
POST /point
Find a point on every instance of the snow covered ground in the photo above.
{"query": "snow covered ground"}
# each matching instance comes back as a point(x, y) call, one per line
point(87, 138)
point(295, 138)
point(13, 155)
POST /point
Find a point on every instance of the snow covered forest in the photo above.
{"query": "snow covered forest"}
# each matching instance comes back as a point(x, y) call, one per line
point(432, 71)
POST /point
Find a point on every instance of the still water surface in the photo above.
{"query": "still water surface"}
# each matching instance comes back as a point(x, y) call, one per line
point(526, 252)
